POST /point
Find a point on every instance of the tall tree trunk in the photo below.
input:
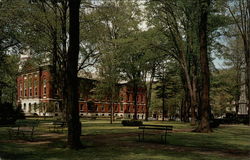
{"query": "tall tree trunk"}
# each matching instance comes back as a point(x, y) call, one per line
point(248, 85)
point(238, 83)
point(1, 94)
point(204, 125)
point(193, 102)
point(62, 64)
point(135, 92)
point(74, 124)
point(112, 105)
point(247, 50)
point(182, 110)
point(111, 112)
point(192, 93)
point(149, 94)
point(163, 102)
point(247, 57)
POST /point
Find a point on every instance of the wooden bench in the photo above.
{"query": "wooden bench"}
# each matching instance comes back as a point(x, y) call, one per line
point(23, 128)
point(58, 126)
point(165, 128)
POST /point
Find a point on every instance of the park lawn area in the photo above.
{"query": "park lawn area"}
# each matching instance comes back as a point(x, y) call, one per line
point(104, 141)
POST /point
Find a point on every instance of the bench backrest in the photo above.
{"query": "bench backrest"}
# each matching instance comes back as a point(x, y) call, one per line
point(27, 123)
point(61, 123)
point(156, 127)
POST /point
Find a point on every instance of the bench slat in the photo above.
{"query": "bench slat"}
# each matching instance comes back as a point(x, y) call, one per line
point(155, 128)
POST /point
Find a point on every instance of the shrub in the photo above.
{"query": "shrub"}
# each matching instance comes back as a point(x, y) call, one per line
point(131, 123)
point(8, 114)
point(215, 123)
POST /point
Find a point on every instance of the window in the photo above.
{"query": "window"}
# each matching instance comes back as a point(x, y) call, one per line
point(103, 108)
point(30, 92)
point(127, 97)
point(44, 86)
point(36, 91)
point(81, 107)
point(30, 86)
point(24, 106)
point(29, 107)
point(35, 87)
point(121, 107)
point(21, 89)
point(25, 86)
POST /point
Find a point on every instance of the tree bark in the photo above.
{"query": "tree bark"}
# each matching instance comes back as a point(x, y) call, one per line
point(248, 60)
point(204, 124)
point(149, 95)
point(1, 93)
point(74, 124)
point(135, 92)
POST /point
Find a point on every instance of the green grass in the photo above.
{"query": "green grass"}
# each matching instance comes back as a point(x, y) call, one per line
point(104, 141)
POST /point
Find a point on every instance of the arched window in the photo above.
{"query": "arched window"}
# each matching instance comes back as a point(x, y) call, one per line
point(25, 86)
point(29, 107)
point(24, 106)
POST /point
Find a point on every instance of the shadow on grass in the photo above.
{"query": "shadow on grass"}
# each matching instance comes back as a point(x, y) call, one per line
point(224, 143)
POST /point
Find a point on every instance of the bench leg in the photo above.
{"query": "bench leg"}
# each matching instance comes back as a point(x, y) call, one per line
point(10, 134)
point(143, 135)
point(165, 137)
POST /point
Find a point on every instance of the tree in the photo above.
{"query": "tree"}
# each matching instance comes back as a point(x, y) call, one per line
point(204, 124)
point(8, 78)
point(167, 85)
point(177, 22)
point(107, 87)
point(234, 59)
point(242, 20)
point(224, 91)
point(71, 98)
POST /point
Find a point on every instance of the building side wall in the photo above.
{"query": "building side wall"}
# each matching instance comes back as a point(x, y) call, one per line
point(35, 95)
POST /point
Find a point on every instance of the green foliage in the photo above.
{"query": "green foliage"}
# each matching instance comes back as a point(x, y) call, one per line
point(223, 90)
point(168, 87)
point(131, 122)
point(9, 114)
point(8, 72)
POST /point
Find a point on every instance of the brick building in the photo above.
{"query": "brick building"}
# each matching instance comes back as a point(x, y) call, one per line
point(35, 96)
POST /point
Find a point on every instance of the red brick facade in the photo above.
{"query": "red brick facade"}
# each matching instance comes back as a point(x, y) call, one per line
point(34, 88)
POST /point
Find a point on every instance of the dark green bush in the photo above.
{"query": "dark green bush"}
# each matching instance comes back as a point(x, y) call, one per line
point(215, 123)
point(234, 119)
point(9, 114)
point(131, 123)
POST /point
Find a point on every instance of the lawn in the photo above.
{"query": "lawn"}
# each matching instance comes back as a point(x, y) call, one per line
point(104, 141)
